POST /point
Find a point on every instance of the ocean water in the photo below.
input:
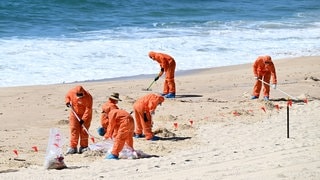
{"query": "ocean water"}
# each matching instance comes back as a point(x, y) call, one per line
point(59, 41)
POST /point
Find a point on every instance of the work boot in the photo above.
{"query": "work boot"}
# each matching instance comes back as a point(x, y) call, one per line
point(154, 138)
point(163, 94)
point(111, 156)
point(139, 135)
point(72, 151)
point(266, 98)
point(170, 95)
point(83, 149)
point(254, 97)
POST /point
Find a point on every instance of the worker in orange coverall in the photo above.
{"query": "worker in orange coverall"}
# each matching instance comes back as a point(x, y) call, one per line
point(144, 107)
point(121, 123)
point(81, 102)
point(168, 66)
point(107, 107)
point(263, 69)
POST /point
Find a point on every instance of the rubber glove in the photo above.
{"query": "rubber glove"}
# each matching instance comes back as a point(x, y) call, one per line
point(68, 104)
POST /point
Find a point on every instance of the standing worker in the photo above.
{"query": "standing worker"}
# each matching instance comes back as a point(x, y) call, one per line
point(263, 70)
point(121, 123)
point(168, 66)
point(81, 102)
point(107, 107)
point(144, 107)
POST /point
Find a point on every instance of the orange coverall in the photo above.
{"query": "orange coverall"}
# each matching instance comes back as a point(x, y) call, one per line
point(168, 66)
point(264, 69)
point(145, 106)
point(122, 122)
point(83, 108)
point(106, 108)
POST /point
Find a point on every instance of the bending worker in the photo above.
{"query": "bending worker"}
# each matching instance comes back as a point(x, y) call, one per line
point(107, 107)
point(80, 101)
point(143, 108)
point(263, 70)
point(121, 123)
point(168, 66)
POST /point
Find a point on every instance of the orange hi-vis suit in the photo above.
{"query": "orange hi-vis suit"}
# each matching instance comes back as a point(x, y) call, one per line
point(168, 66)
point(143, 108)
point(83, 108)
point(106, 108)
point(263, 68)
point(123, 123)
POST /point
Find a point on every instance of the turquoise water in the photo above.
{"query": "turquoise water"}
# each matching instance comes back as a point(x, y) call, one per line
point(59, 41)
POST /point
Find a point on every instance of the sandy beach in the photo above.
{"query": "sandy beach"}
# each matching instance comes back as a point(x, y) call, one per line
point(221, 133)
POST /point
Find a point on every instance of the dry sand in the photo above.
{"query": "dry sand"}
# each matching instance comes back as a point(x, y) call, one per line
point(231, 137)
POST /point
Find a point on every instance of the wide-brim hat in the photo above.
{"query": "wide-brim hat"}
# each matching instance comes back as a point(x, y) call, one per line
point(115, 96)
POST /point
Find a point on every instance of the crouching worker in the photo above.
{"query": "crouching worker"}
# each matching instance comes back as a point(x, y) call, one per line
point(120, 129)
point(168, 66)
point(144, 107)
point(263, 70)
point(107, 107)
point(80, 101)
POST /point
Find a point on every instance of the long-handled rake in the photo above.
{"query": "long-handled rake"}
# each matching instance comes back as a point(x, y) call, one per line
point(85, 129)
point(149, 88)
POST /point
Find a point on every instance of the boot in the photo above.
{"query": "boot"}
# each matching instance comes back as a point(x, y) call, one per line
point(83, 149)
point(72, 151)
point(170, 95)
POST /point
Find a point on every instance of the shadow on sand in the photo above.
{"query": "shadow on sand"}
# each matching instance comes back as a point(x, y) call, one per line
point(187, 95)
point(9, 171)
point(284, 99)
point(174, 138)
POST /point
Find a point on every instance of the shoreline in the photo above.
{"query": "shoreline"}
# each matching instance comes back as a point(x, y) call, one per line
point(151, 76)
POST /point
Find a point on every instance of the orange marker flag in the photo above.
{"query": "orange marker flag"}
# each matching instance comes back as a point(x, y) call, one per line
point(15, 152)
point(35, 148)
point(289, 103)
point(305, 100)
point(277, 107)
point(236, 113)
point(175, 125)
point(191, 121)
point(263, 108)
